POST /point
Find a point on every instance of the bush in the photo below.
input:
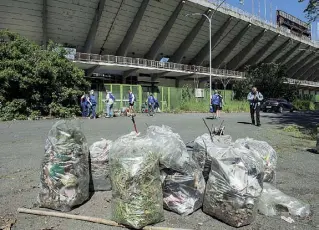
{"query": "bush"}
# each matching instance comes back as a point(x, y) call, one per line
point(236, 106)
point(37, 82)
point(304, 105)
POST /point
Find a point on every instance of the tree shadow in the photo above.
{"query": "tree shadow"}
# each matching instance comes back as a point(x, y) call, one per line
point(314, 151)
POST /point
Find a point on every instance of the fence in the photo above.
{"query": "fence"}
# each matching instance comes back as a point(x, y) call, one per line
point(169, 98)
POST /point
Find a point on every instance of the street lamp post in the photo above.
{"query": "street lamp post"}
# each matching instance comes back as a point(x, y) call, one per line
point(209, 18)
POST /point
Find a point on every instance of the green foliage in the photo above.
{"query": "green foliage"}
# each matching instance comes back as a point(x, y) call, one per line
point(312, 10)
point(33, 79)
point(304, 105)
point(269, 79)
point(236, 107)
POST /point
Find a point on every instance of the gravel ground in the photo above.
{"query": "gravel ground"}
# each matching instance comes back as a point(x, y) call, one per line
point(22, 144)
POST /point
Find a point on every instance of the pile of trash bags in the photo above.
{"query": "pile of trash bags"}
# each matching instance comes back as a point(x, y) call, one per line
point(230, 180)
point(137, 198)
point(65, 168)
point(182, 179)
point(99, 161)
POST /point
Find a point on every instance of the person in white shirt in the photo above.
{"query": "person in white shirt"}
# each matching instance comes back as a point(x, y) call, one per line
point(109, 104)
point(255, 98)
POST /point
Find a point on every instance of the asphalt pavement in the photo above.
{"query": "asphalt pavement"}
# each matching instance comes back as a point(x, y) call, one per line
point(22, 149)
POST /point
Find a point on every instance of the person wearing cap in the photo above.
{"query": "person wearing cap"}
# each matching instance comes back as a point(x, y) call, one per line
point(216, 102)
point(92, 102)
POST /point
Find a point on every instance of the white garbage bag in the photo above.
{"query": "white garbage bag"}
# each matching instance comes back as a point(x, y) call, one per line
point(272, 199)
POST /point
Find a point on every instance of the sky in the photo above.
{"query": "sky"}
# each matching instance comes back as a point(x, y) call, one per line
point(292, 7)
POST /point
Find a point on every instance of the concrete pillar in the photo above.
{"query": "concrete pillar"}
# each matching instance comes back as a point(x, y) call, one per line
point(204, 52)
point(305, 68)
point(184, 46)
point(94, 26)
point(235, 61)
point(255, 58)
point(153, 51)
point(128, 39)
point(45, 23)
point(272, 57)
point(220, 58)
point(286, 56)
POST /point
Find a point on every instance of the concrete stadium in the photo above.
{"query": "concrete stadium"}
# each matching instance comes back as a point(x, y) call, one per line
point(129, 37)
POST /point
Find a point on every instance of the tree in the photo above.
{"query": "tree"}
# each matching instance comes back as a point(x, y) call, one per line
point(270, 80)
point(312, 10)
point(37, 81)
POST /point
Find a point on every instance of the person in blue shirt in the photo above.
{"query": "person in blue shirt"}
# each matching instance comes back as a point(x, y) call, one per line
point(84, 105)
point(151, 104)
point(131, 100)
point(156, 105)
point(92, 102)
point(255, 98)
point(216, 102)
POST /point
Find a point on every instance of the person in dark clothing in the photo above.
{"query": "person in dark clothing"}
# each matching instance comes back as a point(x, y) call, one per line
point(92, 102)
point(151, 104)
point(84, 105)
point(255, 98)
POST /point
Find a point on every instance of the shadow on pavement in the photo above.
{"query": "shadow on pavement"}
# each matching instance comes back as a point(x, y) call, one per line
point(244, 122)
point(303, 119)
point(312, 151)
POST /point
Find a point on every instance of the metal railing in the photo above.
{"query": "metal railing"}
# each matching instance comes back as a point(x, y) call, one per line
point(254, 19)
point(140, 62)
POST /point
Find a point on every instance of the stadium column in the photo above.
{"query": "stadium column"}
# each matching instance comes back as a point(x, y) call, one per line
point(305, 67)
point(300, 63)
point(204, 52)
point(127, 73)
point(220, 58)
point(271, 57)
point(94, 26)
point(255, 58)
point(153, 51)
point(45, 23)
point(127, 41)
point(184, 46)
point(235, 61)
point(286, 56)
point(310, 71)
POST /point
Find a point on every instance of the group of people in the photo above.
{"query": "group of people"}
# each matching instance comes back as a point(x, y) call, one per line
point(88, 105)
point(254, 98)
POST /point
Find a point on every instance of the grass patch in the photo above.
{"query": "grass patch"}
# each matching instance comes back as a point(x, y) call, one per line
point(202, 106)
point(309, 133)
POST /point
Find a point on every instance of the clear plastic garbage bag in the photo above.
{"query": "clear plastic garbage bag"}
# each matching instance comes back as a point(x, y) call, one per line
point(173, 151)
point(273, 200)
point(183, 183)
point(65, 168)
point(263, 150)
point(183, 194)
point(99, 159)
point(205, 149)
point(136, 185)
point(234, 187)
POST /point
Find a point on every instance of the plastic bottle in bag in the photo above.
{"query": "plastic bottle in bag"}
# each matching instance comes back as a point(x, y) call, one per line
point(234, 187)
point(65, 168)
point(183, 183)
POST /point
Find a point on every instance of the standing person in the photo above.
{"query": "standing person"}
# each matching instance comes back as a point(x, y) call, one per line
point(216, 100)
point(109, 104)
point(84, 105)
point(255, 98)
point(131, 100)
point(221, 102)
point(151, 104)
point(92, 101)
